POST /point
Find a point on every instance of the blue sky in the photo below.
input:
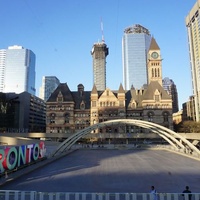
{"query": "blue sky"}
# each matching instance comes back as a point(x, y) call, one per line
point(62, 32)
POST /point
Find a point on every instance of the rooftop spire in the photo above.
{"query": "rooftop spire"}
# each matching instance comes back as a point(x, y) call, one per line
point(102, 36)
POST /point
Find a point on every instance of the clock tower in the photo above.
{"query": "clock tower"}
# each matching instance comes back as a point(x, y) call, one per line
point(154, 63)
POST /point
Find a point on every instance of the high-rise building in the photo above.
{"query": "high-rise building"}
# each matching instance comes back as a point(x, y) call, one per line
point(22, 112)
point(49, 84)
point(2, 68)
point(135, 45)
point(170, 87)
point(99, 53)
point(17, 70)
point(193, 30)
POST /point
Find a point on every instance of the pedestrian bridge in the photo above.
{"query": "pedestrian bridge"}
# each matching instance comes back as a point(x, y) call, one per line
point(173, 138)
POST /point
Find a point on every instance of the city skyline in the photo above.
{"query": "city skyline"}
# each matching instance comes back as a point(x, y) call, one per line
point(62, 39)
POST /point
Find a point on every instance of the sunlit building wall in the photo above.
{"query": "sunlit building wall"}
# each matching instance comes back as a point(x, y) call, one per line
point(193, 30)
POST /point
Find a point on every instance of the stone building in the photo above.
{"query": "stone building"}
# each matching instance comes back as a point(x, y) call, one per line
point(71, 111)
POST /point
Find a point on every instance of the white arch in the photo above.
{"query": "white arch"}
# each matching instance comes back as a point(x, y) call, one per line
point(167, 134)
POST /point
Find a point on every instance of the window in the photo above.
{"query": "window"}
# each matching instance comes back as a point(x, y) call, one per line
point(150, 116)
point(121, 103)
point(152, 73)
point(60, 97)
point(82, 106)
point(93, 103)
point(67, 118)
point(157, 97)
point(52, 118)
point(165, 117)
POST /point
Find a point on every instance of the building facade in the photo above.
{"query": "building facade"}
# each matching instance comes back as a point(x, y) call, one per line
point(71, 111)
point(135, 45)
point(99, 53)
point(189, 109)
point(49, 84)
point(22, 112)
point(170, 87)
point(193, 30)
point(17, 70)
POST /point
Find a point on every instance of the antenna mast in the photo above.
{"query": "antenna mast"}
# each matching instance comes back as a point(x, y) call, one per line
point(102, 36)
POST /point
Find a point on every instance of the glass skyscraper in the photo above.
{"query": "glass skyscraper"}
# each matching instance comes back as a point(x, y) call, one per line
point(193, 29)
point(135, 45)
point(17, 70)
point(49, 84)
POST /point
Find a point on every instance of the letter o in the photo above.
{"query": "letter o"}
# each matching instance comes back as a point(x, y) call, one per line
point(36, 152)
point(11, 165)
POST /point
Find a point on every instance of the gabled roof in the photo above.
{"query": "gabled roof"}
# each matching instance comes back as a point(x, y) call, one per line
point(94, 89)
point(65, 91)
point(121, 89)
point(84, 97)
point(154, 45)
point(152, 87)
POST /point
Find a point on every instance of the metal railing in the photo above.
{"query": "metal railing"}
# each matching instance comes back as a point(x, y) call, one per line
point(33, 195)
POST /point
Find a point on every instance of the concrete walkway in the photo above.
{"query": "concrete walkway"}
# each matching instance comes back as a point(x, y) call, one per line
point(106, 170)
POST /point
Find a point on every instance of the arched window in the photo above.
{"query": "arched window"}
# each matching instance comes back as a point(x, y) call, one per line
point(60, 97)
point(155, 73)
point(52, 118)
point(82, 106)
point(67, 118)
point(133, 105)
point(150, 116)
point(165, 117)
point(158, 73)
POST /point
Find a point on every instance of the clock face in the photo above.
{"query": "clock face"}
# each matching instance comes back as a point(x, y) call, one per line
point(154, 55)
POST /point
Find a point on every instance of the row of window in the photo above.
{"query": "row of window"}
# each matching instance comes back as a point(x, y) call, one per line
point(94, 114)
point(151, 106)
point(60, 108)
point(155, 64)
point(155, 72)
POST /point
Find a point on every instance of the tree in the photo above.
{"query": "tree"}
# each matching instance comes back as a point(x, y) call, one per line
point(188, 127)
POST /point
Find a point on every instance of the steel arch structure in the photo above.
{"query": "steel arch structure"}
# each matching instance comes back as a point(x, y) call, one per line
point(173, 138)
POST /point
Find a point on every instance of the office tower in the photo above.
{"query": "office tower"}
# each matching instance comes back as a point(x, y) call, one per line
point(170, 87)
point(22, 112)
point(135, 46)
point(99, 53)
point(49, 84)
point(17, 70)
point(193, 30)
point(154, 63)
point(2, 68)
